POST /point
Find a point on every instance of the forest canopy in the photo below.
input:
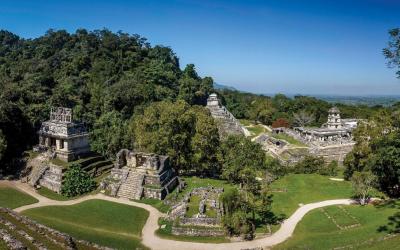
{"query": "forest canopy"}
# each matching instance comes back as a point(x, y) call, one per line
point(115, 83)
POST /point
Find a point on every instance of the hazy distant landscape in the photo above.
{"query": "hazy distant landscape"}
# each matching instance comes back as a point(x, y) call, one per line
point(369, 100)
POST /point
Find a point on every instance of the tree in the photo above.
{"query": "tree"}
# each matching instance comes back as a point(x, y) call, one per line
point(366, 133)
point(240, 157)
point(205, 143)
point(280, 123)
point(309, 165)
point(3, 145)
point(362, 183)
point(302, 118)
point(110, 134)
point(235, 217)
point(384, 162)
point(77, 182)
point(332, 168)
point(100, 74)
point(392, 52)
point(166, 128)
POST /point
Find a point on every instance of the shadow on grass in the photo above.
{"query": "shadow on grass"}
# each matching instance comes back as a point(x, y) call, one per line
point(393, 224)
point(269, 217)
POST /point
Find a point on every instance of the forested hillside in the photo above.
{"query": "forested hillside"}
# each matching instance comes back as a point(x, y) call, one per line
point(106, 77)
point(130, 95)
point(268, 109)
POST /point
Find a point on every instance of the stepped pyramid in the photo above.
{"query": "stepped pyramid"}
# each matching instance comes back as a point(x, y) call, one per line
point(227, 123)
point(141, 175)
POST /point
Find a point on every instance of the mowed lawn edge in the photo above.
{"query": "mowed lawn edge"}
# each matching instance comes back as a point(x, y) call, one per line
point(103, 222)
point(317, 230)
point(13, 198)
point(292, 190)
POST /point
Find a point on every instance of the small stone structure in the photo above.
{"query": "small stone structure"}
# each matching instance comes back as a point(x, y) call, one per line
point(227, 123)
point(45, 173)
point(200, 224)
point(139, 175)
point(66, 139)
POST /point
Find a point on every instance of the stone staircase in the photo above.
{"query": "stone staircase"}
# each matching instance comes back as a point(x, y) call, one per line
point(36, 174)
point(228, 123)
point(132, 186)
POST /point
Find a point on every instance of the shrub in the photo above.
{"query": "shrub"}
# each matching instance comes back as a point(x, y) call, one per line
point(331, 169)
point(77, 182)
point(310, 165)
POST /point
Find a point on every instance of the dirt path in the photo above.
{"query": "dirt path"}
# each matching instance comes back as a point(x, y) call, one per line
point(150, 239)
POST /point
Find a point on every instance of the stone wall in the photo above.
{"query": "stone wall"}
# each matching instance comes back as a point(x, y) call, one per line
point(333, 153)
point(201, 221)
point(43, 234)
point(189, 231)
point(160, 193)
point(52, 178)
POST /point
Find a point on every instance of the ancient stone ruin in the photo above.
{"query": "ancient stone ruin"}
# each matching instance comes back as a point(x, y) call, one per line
point(20, 232)
point(227, 123)
point(335, 131)
point(206, 221)
point(61, 138)
point(65, 139)
point(139, 175)
point(333, 141)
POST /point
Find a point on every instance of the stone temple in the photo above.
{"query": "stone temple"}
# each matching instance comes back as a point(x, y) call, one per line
point(139, 175)
point(227, 123)
point(66, 139)
point(335, 131)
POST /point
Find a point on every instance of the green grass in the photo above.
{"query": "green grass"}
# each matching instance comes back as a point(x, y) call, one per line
point(12, 198)
point(210, 212)
point(306, 188)
point(43, 191)
point(288, 138)
point(317, 231)
point(105, 223)
point(166, 233)
point(193, 206)
point(59, 162)
point(195, 182)
point(341, 216)
point(256, 130)
point(155, 203)
point(245, 122)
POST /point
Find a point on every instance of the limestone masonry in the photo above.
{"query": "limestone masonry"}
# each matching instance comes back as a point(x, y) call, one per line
point(65, 138)
point(139, 175)
point(227, 123)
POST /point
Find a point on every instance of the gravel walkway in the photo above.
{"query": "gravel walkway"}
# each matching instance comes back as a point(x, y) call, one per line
point(150, 239)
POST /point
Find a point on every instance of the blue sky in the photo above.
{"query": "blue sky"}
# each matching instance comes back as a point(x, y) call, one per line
point(295, 47)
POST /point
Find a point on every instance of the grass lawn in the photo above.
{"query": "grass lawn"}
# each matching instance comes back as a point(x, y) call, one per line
point(106, 223)
point(341, 216)
point(12, 198)
point(155, 203)
point(256, 130)
point(58, 197)
point(317, 231)
point(293, 189)
point(245, 122)
point(43, 191)
point(289, 139)
point(193, 206)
